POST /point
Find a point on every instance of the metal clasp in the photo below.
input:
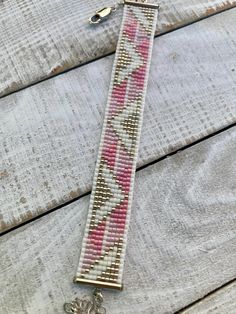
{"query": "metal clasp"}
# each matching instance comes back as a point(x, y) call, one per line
point(101, 14)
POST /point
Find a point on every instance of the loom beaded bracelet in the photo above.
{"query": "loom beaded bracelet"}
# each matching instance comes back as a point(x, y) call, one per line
point(103, 248)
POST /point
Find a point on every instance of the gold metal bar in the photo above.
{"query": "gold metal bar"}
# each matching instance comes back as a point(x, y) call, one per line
point(142, 4)
point(100, 284)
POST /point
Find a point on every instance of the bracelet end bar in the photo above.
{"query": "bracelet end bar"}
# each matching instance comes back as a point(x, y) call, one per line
point(142, 3)
point(99, 284)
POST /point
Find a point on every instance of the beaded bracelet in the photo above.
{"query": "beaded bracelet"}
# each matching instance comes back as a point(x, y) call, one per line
point(103, 248)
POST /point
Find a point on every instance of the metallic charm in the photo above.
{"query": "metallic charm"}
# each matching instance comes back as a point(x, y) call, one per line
point(83, 306)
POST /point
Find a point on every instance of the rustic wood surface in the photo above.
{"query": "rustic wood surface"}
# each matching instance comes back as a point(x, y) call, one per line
point(181, 252)
point(181, 240)
point(220, 302)
point(42, 38)
point(49, 132)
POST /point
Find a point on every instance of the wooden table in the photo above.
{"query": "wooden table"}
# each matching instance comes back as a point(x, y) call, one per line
point(54, 76)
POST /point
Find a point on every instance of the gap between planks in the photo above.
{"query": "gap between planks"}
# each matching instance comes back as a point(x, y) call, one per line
point(204, 298)
point(212, 14)
point(138, 169)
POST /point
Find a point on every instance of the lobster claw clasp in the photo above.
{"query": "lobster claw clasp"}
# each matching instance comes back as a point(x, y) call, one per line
point(101, 14)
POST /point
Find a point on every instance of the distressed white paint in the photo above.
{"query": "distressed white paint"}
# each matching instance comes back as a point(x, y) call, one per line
point(39, 39)
point(181, 240)
point(49, 133)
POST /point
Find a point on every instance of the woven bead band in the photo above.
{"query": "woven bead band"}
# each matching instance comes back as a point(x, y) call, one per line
point(103, 248)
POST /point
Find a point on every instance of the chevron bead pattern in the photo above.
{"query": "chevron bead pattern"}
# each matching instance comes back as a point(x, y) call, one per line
point(103, 248)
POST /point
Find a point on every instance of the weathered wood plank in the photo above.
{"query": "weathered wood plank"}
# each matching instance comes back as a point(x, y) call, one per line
point(49, 133)
point(181, 240)
point(222, 301)
point(42, 38)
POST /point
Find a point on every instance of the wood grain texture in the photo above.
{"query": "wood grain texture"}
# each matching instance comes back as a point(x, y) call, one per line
point(222, 301)
point(49, 133)
point(39, 39)
point(181, 240)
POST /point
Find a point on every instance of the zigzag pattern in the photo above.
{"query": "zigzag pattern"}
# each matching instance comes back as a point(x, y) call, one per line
point(104, 243)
